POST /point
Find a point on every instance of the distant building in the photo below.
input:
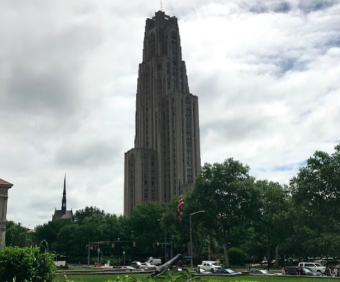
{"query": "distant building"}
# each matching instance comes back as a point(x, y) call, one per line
point(166, 156)
point(63, 213)
point(4, 186)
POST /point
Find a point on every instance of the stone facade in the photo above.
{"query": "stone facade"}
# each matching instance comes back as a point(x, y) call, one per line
point(166, 157)
point(4, 186)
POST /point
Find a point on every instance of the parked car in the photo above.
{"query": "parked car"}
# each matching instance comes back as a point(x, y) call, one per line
point(313, 273)
point(154, 261)
point(136, 264)
point(146, 265)
point(128, 268)
point(226, 271)
point(293, 270)
point(200, 270)
point(313, 266)
point(211, 266)
point(259, 272)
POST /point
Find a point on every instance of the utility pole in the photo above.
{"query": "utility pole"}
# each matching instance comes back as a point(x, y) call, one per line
point(172, 247)
point(165, 245)
point(209, 247)
point(191, 251)
point(88, 254)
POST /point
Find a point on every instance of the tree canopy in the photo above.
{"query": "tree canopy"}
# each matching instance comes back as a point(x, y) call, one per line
point(258, 218)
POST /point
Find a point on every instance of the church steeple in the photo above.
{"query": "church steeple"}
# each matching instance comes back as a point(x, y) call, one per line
point(63, 202)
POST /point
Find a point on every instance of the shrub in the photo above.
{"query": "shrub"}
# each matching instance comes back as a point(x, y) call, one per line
point(26, 264)
point(236, 256)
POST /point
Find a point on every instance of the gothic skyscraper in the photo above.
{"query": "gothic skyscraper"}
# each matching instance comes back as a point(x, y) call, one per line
point(166, 157)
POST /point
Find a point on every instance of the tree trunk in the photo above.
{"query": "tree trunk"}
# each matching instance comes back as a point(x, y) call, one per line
point(277, 256)
point(225, 253)
point(268, 252)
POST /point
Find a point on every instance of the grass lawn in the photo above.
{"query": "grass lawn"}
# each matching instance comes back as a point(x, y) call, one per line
point(86, 268)
point(97, 278)
point(103, 278)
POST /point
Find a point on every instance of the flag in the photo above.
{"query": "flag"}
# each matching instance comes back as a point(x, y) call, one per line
point(180, 208)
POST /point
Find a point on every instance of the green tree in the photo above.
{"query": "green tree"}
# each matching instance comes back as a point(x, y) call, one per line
point(49, 231)
point(226, 193)
point(80, 215)
point(68, 240)
point(316, 186)
point(316, 198)
point(15, 234)
point(146, 225)
point(274, 202)
point(199, 227)
point(237, 256)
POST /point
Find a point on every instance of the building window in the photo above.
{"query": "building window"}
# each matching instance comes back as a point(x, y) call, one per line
point(174, 49)
point(152, 45)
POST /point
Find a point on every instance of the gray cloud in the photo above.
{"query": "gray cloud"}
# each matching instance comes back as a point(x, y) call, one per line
point(88, 154)
point(49, 91)
point(309, 6)
point(266, 74)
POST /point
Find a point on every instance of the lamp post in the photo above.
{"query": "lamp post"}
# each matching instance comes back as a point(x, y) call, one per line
point(191, 252)
point(27, 230)
point(164, 241)
point(172, 246)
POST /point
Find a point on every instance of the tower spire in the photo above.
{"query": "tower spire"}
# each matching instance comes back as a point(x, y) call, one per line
point(63, 202)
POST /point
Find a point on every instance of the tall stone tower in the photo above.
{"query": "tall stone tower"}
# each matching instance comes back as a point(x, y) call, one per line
point(166, 157)
point(4, 186)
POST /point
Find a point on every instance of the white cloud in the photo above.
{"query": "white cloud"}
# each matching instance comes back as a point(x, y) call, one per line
point(266, 74)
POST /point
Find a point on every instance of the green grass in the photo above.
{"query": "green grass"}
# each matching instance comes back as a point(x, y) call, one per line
point(103, 278)
point(86, 268)
point(96, 278)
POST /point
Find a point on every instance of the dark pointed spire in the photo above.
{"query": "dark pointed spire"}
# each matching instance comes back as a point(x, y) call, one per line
point(63, 202)
point(64, 194)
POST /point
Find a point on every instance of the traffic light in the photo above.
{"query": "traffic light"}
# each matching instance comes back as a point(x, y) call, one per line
point(112, 245)
point(134, 243)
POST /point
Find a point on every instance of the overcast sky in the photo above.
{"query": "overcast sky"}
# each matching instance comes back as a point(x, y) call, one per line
point(267, 74)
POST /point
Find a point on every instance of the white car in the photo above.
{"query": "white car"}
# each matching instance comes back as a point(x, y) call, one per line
point(313, 266)
point(211, 266)
point(128, 268)
point(146, 265)
point(200, 270)
point(135, 264)
point(259, 272)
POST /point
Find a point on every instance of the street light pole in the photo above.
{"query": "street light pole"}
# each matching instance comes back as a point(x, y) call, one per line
point(164, 244)
point(191, 252)
point(88, 254)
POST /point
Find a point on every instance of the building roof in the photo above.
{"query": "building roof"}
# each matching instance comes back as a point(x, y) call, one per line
point(59, 214)
point(5, 183)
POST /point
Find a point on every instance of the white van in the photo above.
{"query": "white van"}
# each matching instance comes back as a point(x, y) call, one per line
point(154, 261)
